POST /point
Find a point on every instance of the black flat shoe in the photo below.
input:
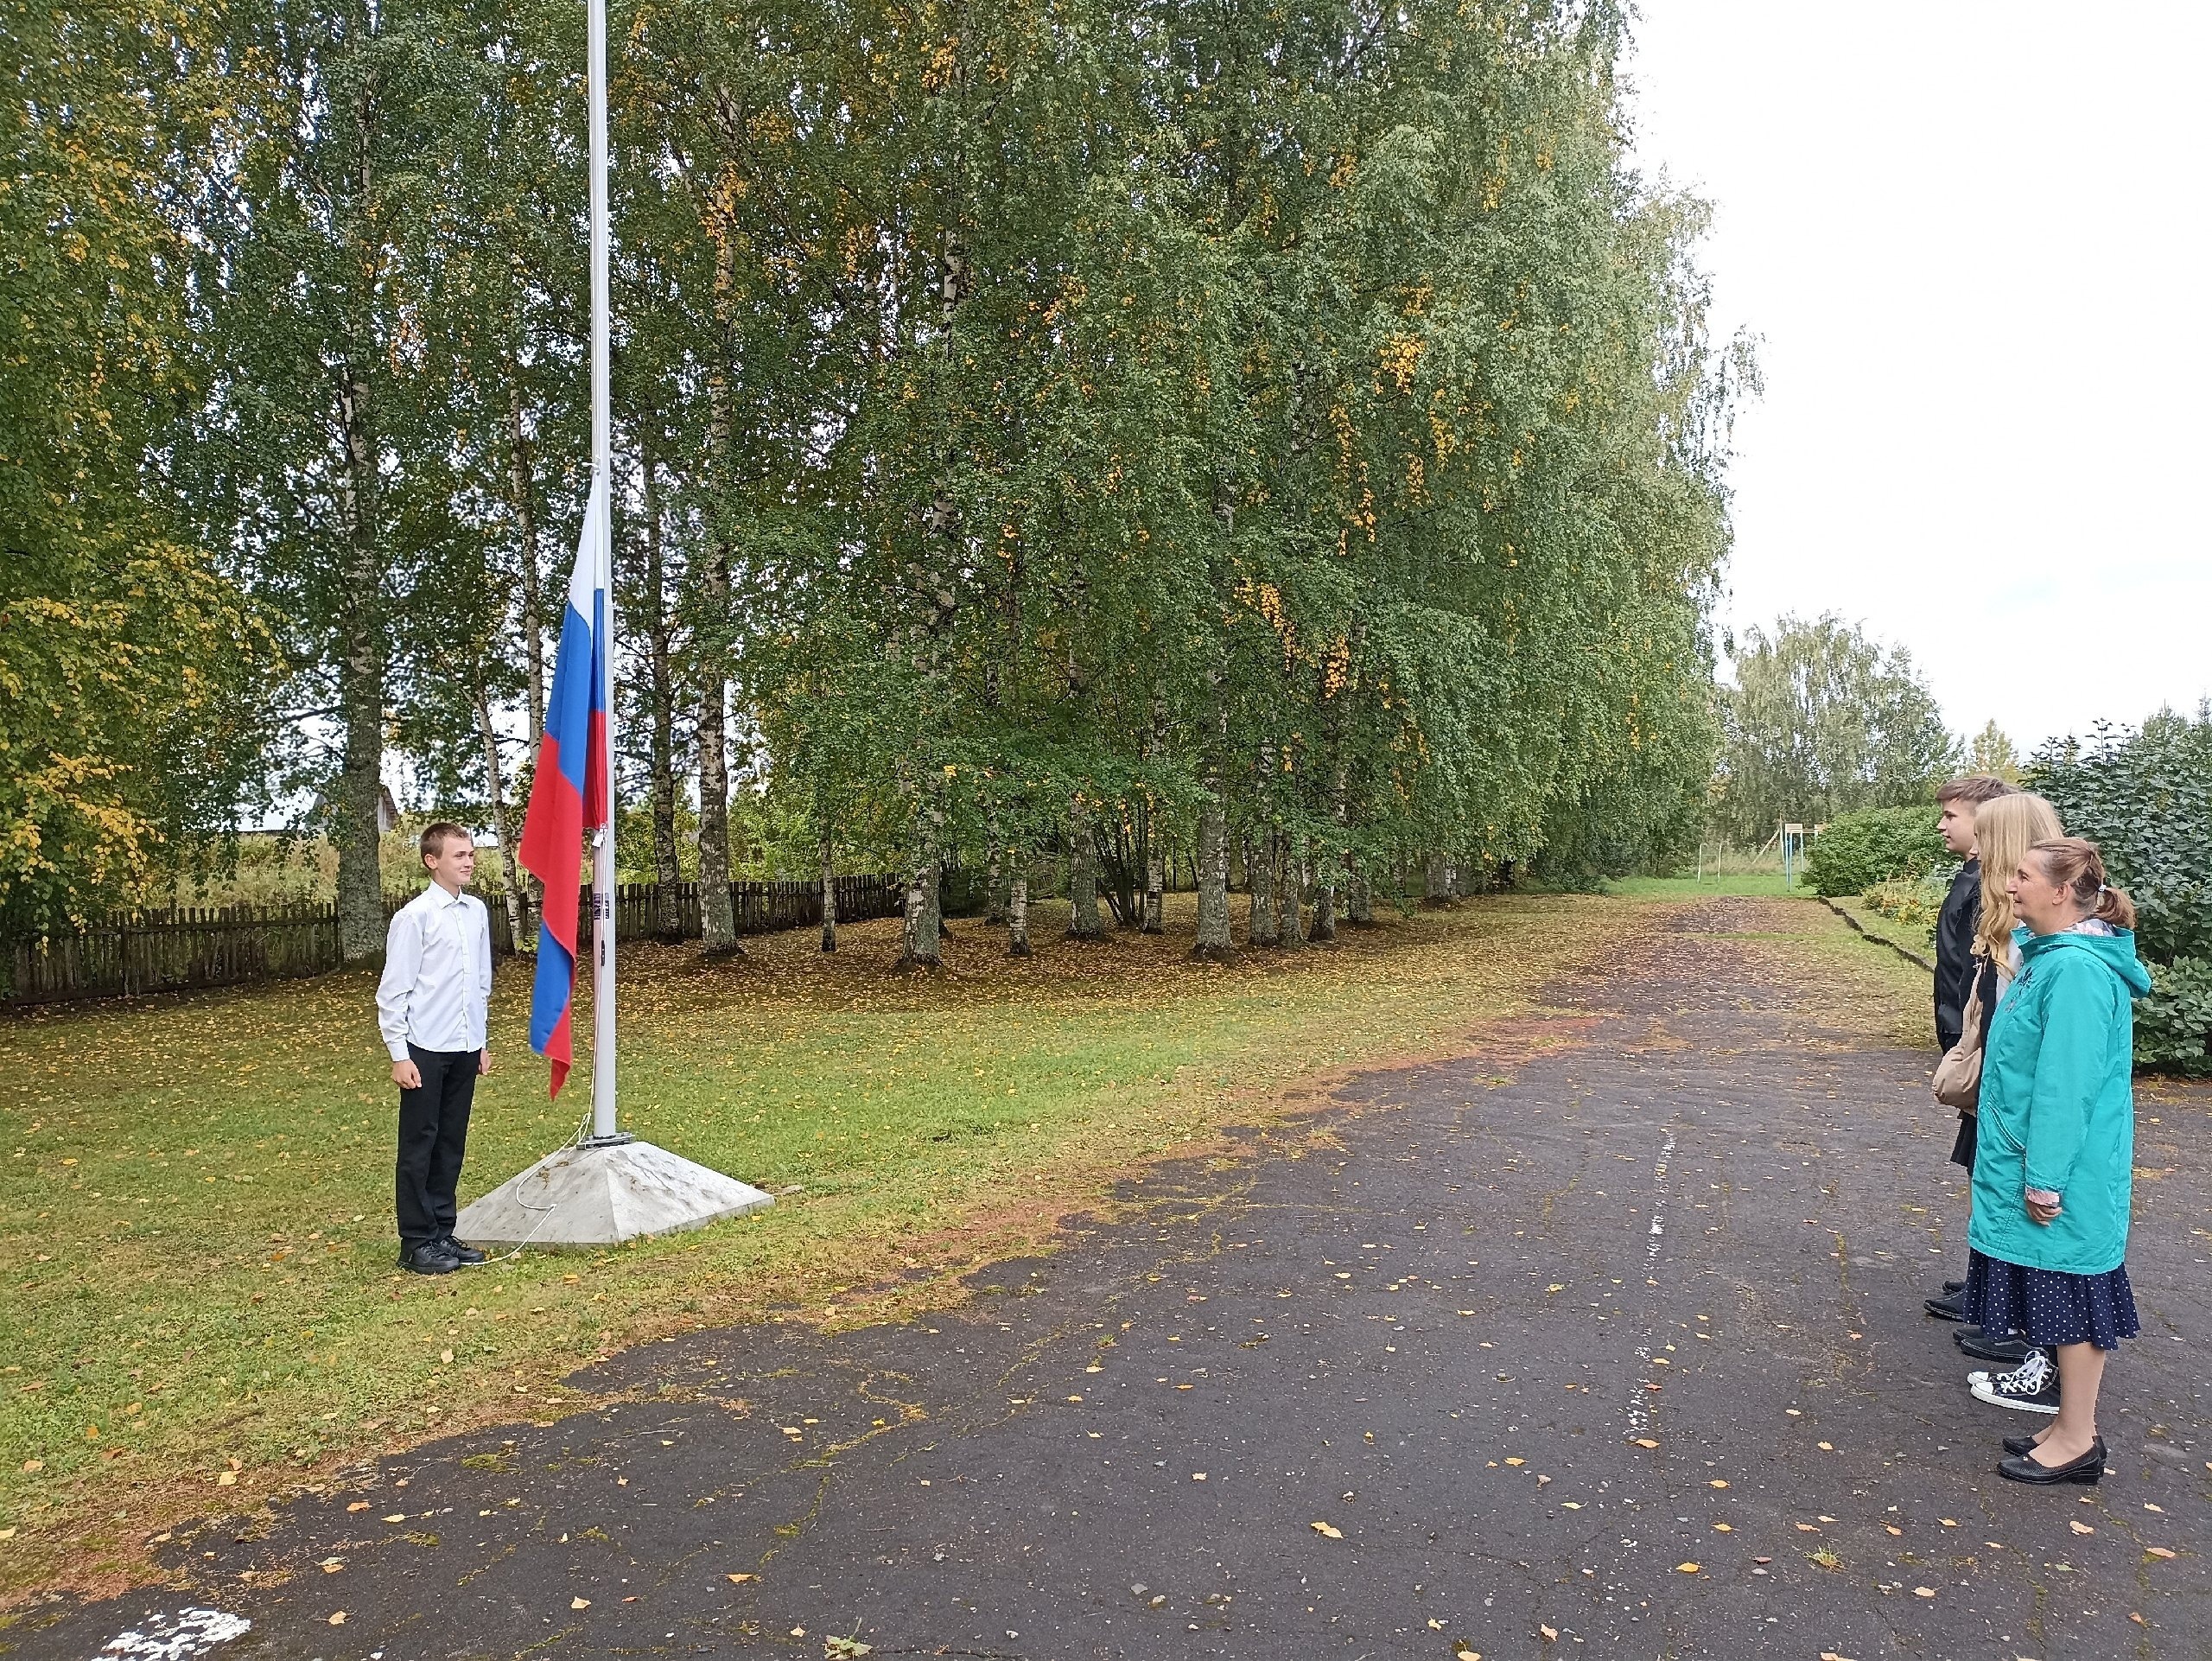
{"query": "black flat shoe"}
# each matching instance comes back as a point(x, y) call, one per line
point(2010, 1352)
point(1945, 1308)
point(2023, 1467)
point(2021, 1447)
point(468, 1255)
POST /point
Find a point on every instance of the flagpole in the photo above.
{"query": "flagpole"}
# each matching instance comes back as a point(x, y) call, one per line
point(603, 460)
point(609, 1187)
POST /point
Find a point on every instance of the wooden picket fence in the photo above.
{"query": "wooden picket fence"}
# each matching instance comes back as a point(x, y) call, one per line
point(126, 955)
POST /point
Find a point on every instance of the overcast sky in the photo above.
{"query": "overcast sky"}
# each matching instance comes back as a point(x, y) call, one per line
point(1974, 240)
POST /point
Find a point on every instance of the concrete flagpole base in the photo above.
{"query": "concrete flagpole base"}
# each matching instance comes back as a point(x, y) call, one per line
point(602, 1191)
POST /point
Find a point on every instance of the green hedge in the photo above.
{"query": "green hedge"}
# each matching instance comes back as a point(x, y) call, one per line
point(1876, 845)
point(2145, 797)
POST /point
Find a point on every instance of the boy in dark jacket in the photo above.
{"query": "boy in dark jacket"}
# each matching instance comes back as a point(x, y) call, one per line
point(1955, 930)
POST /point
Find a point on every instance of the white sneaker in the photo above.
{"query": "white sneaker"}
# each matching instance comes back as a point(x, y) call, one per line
point(2032, 1387)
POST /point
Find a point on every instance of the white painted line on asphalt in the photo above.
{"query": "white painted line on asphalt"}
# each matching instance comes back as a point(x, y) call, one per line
point(178, 1637)
point(1639, 1417)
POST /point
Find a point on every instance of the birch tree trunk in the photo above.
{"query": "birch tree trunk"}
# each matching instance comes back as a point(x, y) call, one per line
point(994, 894)
point(1325, 901)
point(1155, 886)
point(1212, 876)
point(517, 902)
point(1017, 912)
point(362, 665)
point(660, 692)
point(717, 922)
point(1261, 926)
point(828, 894)
point(718, 926)
point(1082, 876)
point(1290, 902)
point(920, 946)
point(522, 498)
point(1436, 885)
point(1359, 893)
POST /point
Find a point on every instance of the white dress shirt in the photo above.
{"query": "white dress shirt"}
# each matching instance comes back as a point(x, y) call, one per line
point(437, 974)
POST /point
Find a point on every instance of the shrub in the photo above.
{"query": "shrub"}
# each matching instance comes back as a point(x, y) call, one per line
point(2145, 797)
point(1863, 849)
point(1913, 902)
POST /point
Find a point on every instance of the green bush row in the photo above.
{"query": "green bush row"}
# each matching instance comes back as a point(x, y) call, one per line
point(1861, 850)
point(2145, 797)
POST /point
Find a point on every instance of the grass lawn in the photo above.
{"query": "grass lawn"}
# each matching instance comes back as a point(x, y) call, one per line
point(1763, 885)
point(195, 1206)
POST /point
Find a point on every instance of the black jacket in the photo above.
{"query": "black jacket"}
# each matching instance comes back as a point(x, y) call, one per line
point(1954, 927)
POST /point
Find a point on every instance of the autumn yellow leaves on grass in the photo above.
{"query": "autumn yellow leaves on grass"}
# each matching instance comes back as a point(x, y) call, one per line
point(201, 1298)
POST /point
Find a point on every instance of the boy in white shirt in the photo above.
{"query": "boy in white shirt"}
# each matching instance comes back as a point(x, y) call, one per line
point(430, 1008)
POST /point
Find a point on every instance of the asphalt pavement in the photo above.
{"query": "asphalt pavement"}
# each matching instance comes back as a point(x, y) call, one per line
point(1613, 1350)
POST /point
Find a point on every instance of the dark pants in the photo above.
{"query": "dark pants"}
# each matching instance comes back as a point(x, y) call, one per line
point(433, 1132)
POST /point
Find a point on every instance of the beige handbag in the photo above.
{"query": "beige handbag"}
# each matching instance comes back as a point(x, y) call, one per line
point(1958, 1075)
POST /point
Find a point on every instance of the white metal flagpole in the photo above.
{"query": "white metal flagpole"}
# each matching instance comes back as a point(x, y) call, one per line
point(611, 1187)
point(602, 457)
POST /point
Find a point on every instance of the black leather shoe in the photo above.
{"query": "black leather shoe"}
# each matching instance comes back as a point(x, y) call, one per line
point(468, 1255)
point(1952, 1288)
point(430, 1257)
point(2020, 1446)
point(1945, 1308)
point(1977, 1343)
point(2023, 1467)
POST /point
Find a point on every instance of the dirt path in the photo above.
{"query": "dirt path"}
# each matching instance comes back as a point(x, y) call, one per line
point(1531, 1338)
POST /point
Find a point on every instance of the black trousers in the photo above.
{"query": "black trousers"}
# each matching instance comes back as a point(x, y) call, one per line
point(433, 1133)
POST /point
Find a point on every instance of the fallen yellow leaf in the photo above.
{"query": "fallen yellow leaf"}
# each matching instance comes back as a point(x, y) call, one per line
point(1516, 1462)
point(358, 1504)
point(2081, 1528)
point(1645, 1441)
point(1923, 1591)
point(579, 1603)
point(2157, 1551)
point(1716, 1483)
point(338, 1619)
point(1326, 1531)
point(1686, 1569)
point(1547, 1633)
point(396, 1516)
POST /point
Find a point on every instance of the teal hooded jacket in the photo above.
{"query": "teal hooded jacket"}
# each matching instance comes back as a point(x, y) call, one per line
point(2057, 1105)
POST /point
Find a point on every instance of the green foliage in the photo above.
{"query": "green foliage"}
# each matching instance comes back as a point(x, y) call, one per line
point(1172, 414)
point(1992, 754)
point(2145, 797)
point(1876, 845)
point(1822, 722)
point(131, 671)
point(1914, 902)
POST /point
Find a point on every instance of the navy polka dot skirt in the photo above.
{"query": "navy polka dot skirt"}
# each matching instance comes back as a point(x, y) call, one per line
point(2048, 1306)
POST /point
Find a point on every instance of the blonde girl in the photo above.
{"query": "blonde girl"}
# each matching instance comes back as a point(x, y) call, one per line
point(2004, 830)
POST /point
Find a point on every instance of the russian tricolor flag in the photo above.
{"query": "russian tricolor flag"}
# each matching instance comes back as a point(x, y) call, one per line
point(569, 795)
